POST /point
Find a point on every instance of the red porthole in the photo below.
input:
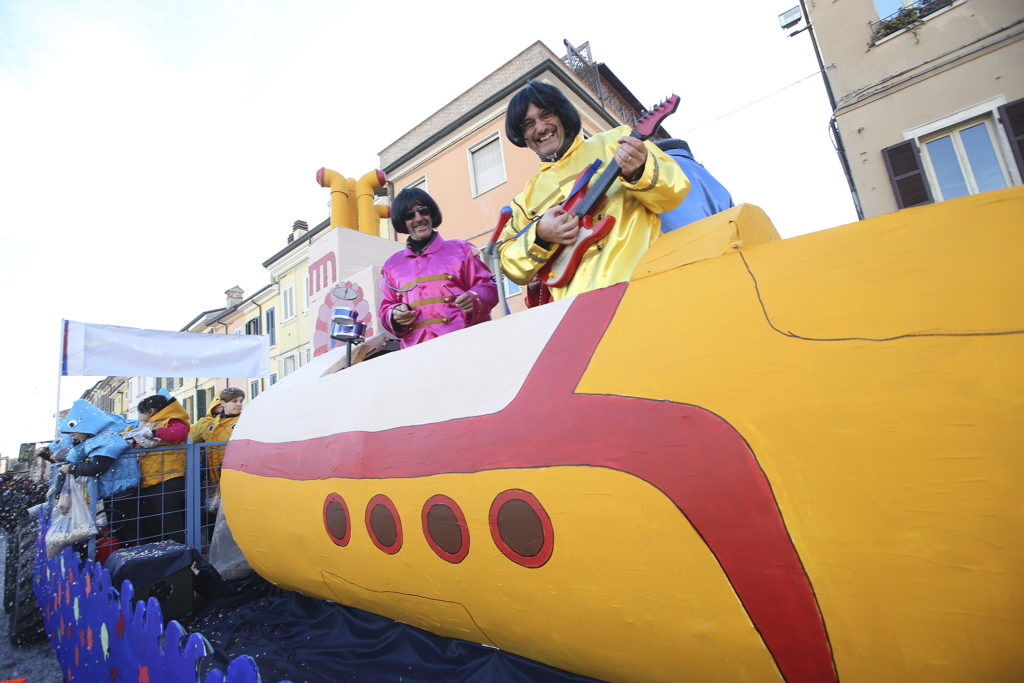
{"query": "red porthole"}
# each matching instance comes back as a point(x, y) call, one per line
point(444, 527)
point(336, 519)
point(384, 525)
point(521, 528)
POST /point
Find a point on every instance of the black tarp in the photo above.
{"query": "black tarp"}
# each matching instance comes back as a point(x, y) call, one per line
point(297, 638)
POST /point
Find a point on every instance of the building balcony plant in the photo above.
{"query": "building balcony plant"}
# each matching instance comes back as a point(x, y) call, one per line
point(905, 17)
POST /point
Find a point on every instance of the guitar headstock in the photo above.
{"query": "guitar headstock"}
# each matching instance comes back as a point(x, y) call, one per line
point(651, 119)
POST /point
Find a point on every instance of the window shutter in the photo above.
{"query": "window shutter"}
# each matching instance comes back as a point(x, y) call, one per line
point(903, 163)
point(488, 171)
point(1012, 117)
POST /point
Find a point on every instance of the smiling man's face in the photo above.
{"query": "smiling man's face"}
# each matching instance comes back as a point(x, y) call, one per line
point(418, 222)
point(543, 131)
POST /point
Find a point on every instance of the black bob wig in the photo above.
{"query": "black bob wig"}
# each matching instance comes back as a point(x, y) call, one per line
point(407, 199)
point(545, 97)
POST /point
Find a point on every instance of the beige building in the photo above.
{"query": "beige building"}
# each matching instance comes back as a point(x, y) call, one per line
point(254, 314)
point(289, 325)
point(460, 154)
point(279, 310)
point(111, 394)
point(928, 95)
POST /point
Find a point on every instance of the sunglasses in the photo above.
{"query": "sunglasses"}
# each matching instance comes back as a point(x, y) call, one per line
point(411, 213)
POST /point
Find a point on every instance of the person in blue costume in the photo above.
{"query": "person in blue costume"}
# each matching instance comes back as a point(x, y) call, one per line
point(706, 197)
point(56, 453)
point(101, 452)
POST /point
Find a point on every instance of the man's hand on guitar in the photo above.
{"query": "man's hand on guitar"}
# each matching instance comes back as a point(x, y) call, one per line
point(631, 155)
point(557, 226)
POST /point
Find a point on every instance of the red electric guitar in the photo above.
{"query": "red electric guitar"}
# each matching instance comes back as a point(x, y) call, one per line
point(559, 270)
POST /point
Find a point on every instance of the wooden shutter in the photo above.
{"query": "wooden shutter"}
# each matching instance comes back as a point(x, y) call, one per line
point(906, 174)
point(1012, 117)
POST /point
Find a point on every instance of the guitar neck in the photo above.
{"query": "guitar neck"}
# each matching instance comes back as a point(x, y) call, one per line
point(600, 187)
point(644, 129)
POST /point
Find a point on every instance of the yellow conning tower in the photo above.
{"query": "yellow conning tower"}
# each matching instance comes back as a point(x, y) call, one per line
point(352, 200)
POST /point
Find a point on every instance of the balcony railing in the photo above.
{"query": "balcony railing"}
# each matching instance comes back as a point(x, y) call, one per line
point(906, 17)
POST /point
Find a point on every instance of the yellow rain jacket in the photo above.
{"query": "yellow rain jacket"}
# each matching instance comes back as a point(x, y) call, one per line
point(635, 207)
point(213, 427)
point(163, 465)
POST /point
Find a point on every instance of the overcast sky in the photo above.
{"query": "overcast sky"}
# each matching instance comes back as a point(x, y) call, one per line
point(154, 154)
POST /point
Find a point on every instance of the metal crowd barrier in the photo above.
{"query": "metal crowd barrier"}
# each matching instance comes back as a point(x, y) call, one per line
point(198, 518)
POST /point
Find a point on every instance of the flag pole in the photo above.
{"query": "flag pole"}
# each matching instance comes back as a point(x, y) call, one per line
point(60, 371)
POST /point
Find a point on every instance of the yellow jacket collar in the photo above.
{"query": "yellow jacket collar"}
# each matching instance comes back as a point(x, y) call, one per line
point(545, 165)
point(171, 410)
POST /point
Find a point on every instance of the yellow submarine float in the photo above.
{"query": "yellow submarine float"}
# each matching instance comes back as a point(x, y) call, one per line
point(759, 460)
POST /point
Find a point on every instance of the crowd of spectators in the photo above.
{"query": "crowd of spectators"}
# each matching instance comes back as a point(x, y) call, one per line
point(134, 470)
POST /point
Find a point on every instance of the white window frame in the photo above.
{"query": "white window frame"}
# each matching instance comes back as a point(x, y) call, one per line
point(284, 365)
point(495, 136)
point(420, 182)
point(983, 111)
point(254, 388)
point(305, 292)
point(288, 303)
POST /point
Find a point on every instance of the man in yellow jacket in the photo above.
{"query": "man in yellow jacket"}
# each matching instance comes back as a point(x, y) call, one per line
point(218, 426)
point(541, 118)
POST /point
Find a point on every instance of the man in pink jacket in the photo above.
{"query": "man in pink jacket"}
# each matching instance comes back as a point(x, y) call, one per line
point(433, 286)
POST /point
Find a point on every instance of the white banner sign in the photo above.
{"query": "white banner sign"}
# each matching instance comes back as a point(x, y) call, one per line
point(100, 350)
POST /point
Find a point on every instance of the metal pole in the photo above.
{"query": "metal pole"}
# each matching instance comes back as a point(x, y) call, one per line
point(91, 489)
point(60, 372)
point(193, 499)
point(833, 126)
point(499, 277)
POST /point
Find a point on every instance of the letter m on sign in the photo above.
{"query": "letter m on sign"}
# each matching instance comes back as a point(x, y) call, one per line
point(318, 277)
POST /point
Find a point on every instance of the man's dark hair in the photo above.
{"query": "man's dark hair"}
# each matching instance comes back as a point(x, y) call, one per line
point(407, 199)
point(156, 403)
point(545, 97)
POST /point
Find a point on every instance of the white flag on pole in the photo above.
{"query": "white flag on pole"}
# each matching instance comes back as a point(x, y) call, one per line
point(100, 350)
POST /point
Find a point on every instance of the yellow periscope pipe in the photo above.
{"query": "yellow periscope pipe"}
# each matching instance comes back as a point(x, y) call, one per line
point(369, 218)
point(352, 200)
point(351, 215)
point(381, 211)
point(339, 195)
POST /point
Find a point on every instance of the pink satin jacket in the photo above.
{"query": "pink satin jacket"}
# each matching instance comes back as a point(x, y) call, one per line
point(429, 283)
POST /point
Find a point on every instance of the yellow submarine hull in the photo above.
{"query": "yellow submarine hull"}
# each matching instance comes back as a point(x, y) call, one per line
point(760, 460)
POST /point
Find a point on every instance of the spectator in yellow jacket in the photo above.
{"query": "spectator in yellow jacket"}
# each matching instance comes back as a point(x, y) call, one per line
point(162, 489)
point(218, 425)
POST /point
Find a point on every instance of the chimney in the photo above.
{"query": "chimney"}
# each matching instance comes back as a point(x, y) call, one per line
point(299, 228)
point(234, 296)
